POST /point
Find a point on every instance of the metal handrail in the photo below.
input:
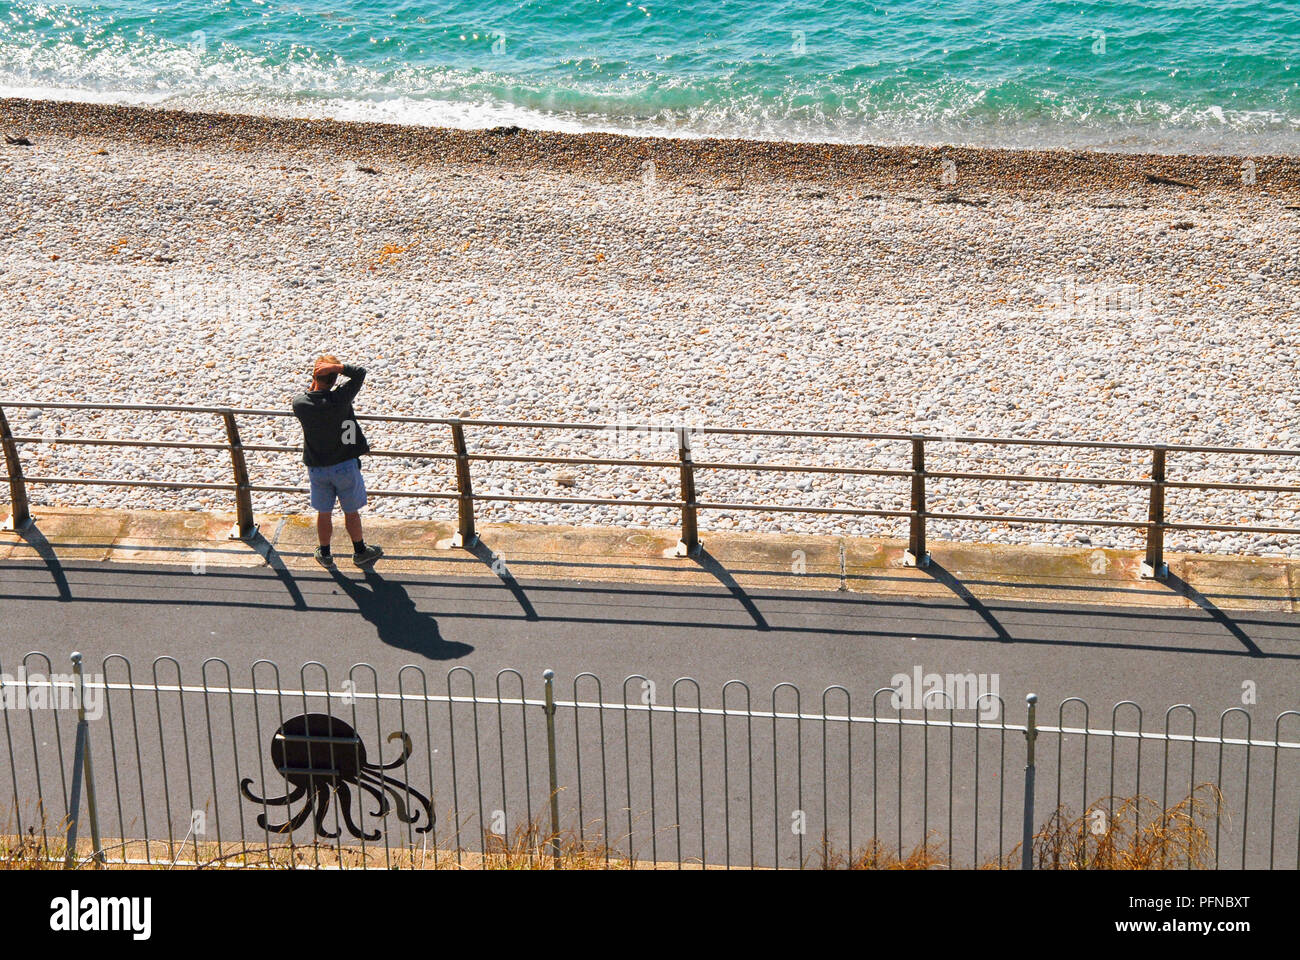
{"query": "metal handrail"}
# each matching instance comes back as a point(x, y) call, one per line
point(1156, 483)
point(627, 427)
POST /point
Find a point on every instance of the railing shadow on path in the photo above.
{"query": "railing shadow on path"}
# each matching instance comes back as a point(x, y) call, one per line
point(32, 536)
point(945, 577)
point(398, 628)
point(711, 565)
point(496, 563)
point(1216, 613)
point(266, 550)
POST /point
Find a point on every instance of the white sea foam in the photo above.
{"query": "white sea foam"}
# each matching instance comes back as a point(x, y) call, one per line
point(846, 107)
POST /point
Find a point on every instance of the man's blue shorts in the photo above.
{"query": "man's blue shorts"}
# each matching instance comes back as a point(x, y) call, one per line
point(342, 481)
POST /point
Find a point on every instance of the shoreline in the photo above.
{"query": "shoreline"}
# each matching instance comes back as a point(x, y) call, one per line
point(621, 156)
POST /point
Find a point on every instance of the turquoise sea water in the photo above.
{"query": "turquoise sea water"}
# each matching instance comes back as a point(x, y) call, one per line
point(1164, 75)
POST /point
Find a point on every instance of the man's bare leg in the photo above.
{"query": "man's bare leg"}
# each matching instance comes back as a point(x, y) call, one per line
point(324, 530)
point(362, 555)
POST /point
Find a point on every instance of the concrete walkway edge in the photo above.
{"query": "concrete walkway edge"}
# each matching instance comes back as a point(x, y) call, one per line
point(607, 554)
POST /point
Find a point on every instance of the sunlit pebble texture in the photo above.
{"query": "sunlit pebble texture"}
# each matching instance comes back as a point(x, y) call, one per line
point(157, 274)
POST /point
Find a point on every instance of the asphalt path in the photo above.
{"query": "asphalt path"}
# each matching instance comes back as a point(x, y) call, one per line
point(1103, 654)
point(760, 780)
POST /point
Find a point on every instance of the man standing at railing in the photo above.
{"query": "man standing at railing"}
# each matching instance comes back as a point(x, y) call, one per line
point(332, 444)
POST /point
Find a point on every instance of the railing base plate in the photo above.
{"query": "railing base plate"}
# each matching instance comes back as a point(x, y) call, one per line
point(910, 559)
point(234, 533)
point(1147, 572)
point(459, 542)
point(682, 550)
point(9, 524)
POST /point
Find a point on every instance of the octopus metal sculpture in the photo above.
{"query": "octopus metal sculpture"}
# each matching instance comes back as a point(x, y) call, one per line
point(318, 755)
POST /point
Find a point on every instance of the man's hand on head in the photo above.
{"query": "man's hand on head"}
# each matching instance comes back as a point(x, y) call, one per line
point(327, 369)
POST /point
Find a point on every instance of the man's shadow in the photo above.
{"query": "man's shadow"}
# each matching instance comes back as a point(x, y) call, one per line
point(387, 605)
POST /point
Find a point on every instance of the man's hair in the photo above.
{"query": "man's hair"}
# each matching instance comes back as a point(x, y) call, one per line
point(326, 381)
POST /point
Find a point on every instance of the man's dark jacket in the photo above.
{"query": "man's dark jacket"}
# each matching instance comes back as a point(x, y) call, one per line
point(327, 421)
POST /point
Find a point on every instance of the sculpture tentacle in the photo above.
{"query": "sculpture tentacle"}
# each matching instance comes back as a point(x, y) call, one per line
point(406, 790)
point(406, 752)
point(321, 804)
point(291, 825)
point(345, 804)
point(245, 787)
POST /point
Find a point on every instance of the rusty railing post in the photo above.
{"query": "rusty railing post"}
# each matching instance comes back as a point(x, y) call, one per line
point(245, 528)
point(20, 515)
point(1154, 567)
point(465, 534)
point(689, 545)
point(916, 555)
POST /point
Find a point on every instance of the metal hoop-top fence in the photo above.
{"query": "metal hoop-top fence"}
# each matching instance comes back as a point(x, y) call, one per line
point(424, 770)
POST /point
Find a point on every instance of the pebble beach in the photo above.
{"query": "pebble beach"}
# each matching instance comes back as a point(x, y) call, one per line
point(179, 258)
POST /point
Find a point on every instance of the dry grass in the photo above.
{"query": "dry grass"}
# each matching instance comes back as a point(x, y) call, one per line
point(877, 856)
point(527, 848)
point(30, 852)
point(1137, 836)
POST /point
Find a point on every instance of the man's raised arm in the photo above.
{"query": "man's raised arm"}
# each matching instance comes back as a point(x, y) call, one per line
point(356, 377)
